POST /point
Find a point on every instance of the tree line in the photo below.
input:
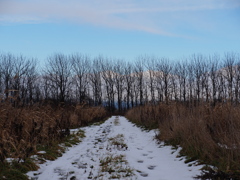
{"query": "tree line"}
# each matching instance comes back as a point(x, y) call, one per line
point(118, 84)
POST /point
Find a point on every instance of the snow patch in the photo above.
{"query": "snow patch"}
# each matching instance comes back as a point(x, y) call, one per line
point(117, 149)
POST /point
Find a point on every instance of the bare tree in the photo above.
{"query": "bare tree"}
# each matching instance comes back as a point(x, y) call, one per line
point(204, 80)
point(81, 69)
point(129, 78)
point(30, 84)
point(222, 86)
point(229, 72)
point(176, 83)
point(151, 66)
point(1, 78)
point(214, 75)
point(237, 83)
point(139, 70)
point(109, 81)
point(198, 71)
point(58, 71)
point(7, 66)
point(165, 68)
point(24, 78)
point(118, 68)
point(95, 78)
point(181, 72)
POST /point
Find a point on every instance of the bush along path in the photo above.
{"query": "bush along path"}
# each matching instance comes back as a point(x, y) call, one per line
point(117, 149)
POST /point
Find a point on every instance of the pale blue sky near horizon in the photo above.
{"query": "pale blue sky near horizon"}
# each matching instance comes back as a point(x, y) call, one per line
point(122, 29)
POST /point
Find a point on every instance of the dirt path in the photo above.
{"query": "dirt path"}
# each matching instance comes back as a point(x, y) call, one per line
point(117, 149)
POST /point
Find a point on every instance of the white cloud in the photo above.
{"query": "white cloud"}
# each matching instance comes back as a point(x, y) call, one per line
point(143, 15)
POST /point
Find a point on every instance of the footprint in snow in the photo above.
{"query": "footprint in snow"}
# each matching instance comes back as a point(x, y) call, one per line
point(140, 161)
point(145, 154)
point(60, 172)
point(143, 174)
point(151, 167)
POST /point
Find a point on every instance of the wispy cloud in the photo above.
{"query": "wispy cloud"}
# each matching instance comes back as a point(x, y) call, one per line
point(141, 15)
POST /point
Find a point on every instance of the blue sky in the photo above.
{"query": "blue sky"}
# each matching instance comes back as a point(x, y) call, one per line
point(119, 28)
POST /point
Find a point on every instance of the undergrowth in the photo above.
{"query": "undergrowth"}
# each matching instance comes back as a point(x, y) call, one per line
point(145, 117)
point(209, 134)
point(26, 131)
point(16, 170)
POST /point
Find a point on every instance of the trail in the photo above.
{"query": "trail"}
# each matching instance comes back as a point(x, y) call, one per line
point(117, 149)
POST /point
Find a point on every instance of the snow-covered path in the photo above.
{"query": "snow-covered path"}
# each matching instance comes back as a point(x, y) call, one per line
point(117, 149)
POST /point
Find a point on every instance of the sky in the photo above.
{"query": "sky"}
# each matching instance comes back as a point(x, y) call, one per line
point(122, 29)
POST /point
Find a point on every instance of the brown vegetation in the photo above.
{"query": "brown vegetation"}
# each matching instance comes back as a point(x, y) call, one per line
point(205, 132)
point(23, 128)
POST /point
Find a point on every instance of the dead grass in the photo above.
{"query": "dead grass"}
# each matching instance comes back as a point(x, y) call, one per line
point(24, 129)
point(207, 133)
point(116, 166)
point(147, 116)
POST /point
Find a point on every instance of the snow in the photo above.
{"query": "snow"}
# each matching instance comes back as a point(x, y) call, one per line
point(141, 154)
point(41, 152)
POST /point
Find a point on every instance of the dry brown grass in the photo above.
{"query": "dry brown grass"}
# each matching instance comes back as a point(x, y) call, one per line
point(86, 115)
point(209, 133)
point(23, 128)
point(144, 115)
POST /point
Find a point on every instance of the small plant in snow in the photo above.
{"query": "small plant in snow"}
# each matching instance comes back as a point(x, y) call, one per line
point(116, 166)
point(118, 141)
point(116, 121)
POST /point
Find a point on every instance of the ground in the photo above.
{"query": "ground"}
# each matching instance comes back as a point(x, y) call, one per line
point(117, 149)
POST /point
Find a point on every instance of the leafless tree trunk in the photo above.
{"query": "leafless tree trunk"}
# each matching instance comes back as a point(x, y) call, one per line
point(175, 83)
point(119, 67)
point(237, 83)
point(229, 65)
point(1, 84)
point(129, 78)
point(81, 68)
point(165, 68)
point(151, 66)
point(95, 78)
point(108, 77)
point(58, 71)
point(7, 66)
point(214, 75)
point(181, 73)
point(30, 83)
point(198, 70)
point(138, 70)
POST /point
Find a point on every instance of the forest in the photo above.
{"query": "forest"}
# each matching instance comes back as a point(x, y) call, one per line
point(118, 84)
point(194, 101)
